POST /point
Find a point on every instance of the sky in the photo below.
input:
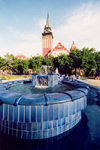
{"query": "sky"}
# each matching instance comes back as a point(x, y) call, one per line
point(22, 23)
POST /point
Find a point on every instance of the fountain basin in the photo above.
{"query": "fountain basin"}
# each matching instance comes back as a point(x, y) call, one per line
point(40, 116)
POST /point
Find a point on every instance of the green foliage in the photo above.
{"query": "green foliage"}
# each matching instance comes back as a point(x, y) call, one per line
point(97, 59)
point(2, 62)
point(35, 63)
point(76, 59)
point(86, 59)
point(63, 64)
point(22, 66)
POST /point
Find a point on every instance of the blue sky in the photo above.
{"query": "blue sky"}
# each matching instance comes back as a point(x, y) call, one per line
point(22, 22)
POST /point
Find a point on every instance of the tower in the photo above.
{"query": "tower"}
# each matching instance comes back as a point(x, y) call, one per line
point(73, 46)
point(47, 38)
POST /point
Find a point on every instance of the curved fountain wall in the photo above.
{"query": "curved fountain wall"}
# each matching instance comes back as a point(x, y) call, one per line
point(40, 116)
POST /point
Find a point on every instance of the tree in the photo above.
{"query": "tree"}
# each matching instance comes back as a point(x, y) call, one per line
point(48, 61)
point(2, 62)
point(35, 63)
point(22, 66)
point(97, 59)
point(76, 59)
point(64, 65)
point(88, 61)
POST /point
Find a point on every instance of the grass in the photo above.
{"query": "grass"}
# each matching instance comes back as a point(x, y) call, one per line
point(7, 77)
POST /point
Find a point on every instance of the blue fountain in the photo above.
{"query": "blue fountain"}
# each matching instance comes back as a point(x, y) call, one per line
point(40, 113)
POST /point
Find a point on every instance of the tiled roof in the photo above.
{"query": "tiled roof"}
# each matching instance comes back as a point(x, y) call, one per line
point(60, 47)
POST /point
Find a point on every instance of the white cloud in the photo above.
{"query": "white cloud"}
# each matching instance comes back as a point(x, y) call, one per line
point(83, 26)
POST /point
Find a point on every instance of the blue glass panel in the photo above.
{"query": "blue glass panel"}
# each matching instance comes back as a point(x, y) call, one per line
point(59, 122)
point(45, 125)
point(55, 112)
point(63, 121)
point(55, 123)
point(79, 106)
point(71, 108)
point(51, 112)
point(72, 118)
point(28, 126)
point(39, 126)
point(45, 134)
point(23, 126)
point(82, 103)
point(85, 101)
point(5, 111)
point(45, 113)
point(21, 113)
point(1, 112)
point(40, 135)
point(50, 133)
point(23, 134)
point(34, 135)
point(33, 113)
point(27, 114)
point(63, 128)
point(15, 113)
point(76, 106)
point(50, 124)
point(65, 109)
point(60, 111)
point(28, 135)
point(59, 130)
point(10, 112)
point(38, 113)
point(69, 118)
point(19, 126)
point(34, 126)
point(67, 127)
point(54, 131)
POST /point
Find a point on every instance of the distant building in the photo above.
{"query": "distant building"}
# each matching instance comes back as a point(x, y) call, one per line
point(58, 50)
point(47, 43)
point(22, 57)
point(73, 47)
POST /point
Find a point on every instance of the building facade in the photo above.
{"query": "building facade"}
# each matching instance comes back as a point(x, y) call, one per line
point(58, 50)
point(47, 43)
point(47, 39)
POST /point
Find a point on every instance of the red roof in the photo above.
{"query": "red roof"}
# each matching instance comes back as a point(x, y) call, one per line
point(60, 47)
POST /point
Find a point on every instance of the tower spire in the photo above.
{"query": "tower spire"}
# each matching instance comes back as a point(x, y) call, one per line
point(47, 21)
point(47, 38)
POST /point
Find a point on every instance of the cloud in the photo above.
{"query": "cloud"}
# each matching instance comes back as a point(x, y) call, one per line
point(82, 26)
point(27, 43)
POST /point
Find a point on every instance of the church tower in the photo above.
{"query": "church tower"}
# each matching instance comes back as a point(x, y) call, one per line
point(47, 39)
point(73, 46)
